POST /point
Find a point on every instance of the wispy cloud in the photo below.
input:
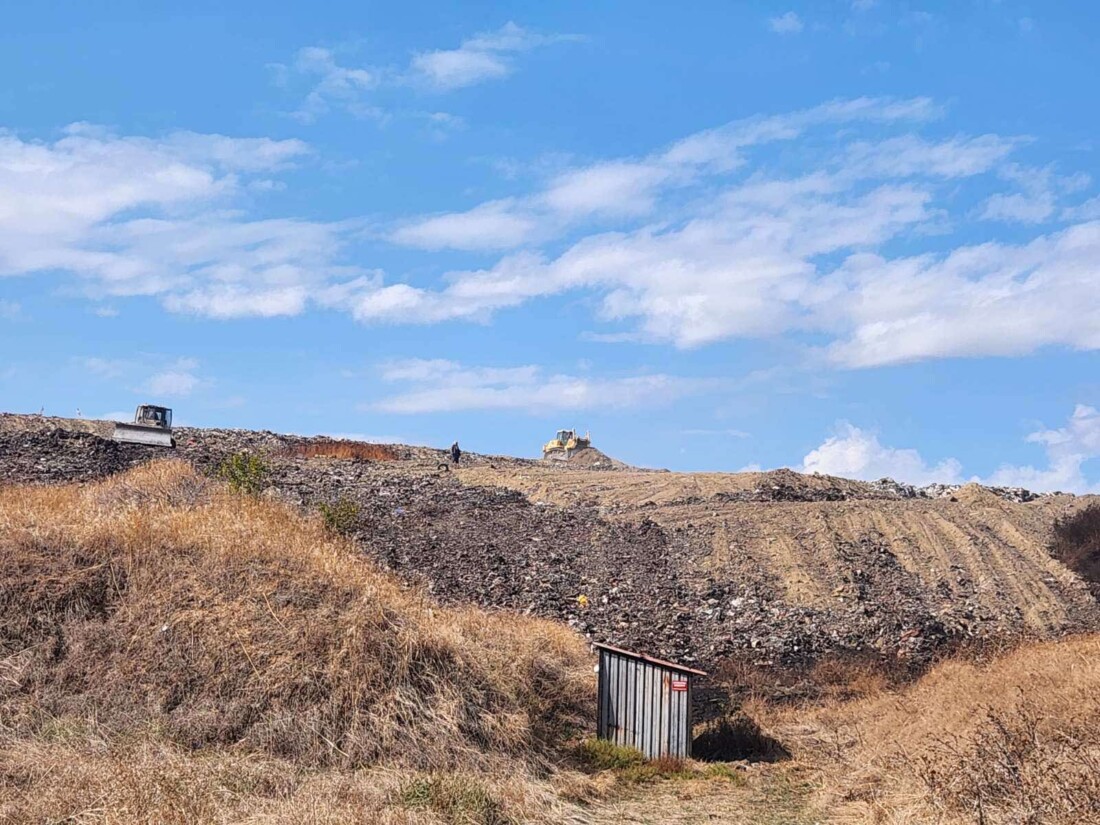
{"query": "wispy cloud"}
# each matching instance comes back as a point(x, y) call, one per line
point(486, 56)
point(699, 241)
point(749, 256)
point(334, 85)
point(105, 367)
point(155, 217)
point(155, 375)
point(436, 385)
point(629, 188)
point(177, 380)
point(789, 23)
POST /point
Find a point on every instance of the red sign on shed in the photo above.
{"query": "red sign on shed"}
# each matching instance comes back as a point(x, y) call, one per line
point(680, 684)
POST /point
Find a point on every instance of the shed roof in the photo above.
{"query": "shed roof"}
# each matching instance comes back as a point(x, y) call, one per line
point(642, 657)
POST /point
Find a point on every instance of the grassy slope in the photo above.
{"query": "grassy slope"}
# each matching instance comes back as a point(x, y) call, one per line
point(172, 652)
point(1011, 740)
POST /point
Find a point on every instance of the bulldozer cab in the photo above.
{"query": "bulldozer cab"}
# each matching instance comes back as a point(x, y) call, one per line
point(149, 415)
point(565, 436)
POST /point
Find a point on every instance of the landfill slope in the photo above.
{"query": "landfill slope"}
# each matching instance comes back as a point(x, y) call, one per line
point(773, 566)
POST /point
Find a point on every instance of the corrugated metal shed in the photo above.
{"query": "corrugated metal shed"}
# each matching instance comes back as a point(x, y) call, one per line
point(645, 703)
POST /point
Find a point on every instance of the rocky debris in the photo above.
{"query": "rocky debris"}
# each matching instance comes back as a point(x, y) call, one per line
point(896, 489)
point(58, 456)
point(620, 577)
point(1019, 495)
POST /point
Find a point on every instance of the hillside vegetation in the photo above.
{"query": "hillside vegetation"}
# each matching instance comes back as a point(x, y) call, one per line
point(174, 652)
point(1010, 741)
point(1076, 543)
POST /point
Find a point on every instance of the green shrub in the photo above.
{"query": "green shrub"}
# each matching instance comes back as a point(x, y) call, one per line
point(341, 517)
point(244, 472)
point(634, 769)
point(601, 755)
point(456, 799)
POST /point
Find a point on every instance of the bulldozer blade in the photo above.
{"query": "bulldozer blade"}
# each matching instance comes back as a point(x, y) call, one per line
point(136, 434)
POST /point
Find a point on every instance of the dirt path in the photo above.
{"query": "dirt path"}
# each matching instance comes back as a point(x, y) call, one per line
point(771, 795)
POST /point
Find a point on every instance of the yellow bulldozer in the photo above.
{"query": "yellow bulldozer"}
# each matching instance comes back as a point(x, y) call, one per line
point(566, 443)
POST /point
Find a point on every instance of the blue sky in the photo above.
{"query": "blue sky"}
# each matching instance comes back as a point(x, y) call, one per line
point(855, 237)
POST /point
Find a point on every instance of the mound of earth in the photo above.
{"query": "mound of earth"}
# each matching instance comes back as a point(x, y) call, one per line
point(157, 617)
point(590, 459)
point(697, 567)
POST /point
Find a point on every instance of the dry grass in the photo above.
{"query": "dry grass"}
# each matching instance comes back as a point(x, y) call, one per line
point(1011, 740)
point(344, 449)
point(172, 652)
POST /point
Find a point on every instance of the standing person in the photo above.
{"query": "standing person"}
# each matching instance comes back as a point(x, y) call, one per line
point(456, 453)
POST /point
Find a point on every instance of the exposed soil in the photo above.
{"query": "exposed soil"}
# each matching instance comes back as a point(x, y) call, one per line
point(778, 566)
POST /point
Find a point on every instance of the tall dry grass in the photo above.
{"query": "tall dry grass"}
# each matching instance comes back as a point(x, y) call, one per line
point(173, 652)
point(1015, 739)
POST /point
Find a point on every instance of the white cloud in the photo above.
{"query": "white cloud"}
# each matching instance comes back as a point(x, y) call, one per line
point(758, 254)
point(789, 23)
point(1087, 211)
point(460, 67)
point(1067, 449)
point(908, 155)
point(1017, 207)
point(492, 225)
point(856, 453)
point(992, 299)
point(697, 242)
point(629, 187)
point(435, 385)
point(618, 187)
point(142, 216)
point(1041, 189)
point(478, 59)
point(177, 380)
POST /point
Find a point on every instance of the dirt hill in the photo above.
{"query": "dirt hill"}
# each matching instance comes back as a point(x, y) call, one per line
point(773, 566)
point(173, 652)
